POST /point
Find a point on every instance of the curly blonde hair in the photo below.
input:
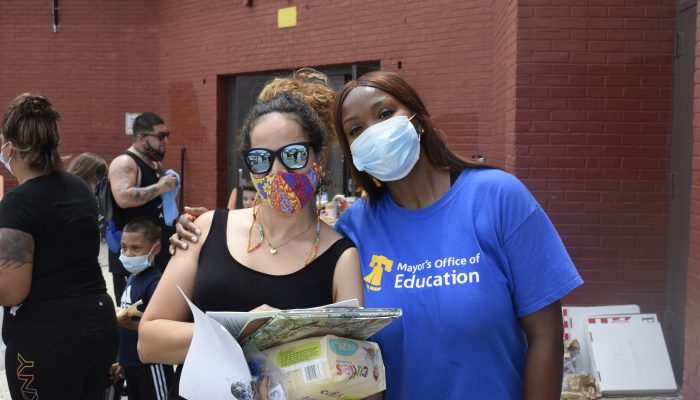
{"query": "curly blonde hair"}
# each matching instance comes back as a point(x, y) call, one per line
point(310, 86)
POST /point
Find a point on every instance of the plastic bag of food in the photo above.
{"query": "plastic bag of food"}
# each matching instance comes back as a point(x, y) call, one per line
point(329, 367)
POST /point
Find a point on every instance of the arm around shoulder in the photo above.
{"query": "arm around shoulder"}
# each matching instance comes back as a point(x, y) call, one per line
point(165, 332)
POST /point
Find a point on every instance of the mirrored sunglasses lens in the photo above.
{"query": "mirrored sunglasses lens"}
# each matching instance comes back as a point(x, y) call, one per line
point(258, 161)
point(294, 156)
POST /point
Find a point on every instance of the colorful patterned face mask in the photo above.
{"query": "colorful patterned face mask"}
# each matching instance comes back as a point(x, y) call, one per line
point(288, 192)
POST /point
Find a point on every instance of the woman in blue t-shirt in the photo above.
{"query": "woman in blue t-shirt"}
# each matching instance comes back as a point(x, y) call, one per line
point(464, 250)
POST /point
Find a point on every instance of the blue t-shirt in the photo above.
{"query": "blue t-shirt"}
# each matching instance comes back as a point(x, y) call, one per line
point(138, 287)
point(463, 270)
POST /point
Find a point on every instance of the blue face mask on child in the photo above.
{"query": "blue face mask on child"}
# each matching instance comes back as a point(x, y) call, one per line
point(138, 263)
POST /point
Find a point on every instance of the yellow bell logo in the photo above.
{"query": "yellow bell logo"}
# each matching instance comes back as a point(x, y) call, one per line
point(379, 264)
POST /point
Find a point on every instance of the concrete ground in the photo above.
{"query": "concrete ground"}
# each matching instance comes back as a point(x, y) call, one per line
point(4, 393)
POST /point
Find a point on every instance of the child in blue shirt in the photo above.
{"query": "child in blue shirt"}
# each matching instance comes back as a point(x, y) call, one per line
point(140, 244)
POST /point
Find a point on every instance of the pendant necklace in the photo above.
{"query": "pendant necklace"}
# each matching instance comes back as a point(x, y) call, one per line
point(273, 249)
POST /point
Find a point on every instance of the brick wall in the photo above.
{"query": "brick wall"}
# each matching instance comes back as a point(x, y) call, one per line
point(444, 49)
point(498, 143)
point(585, 121)
point(691, 371)
point(593, 126)
point(102, 63)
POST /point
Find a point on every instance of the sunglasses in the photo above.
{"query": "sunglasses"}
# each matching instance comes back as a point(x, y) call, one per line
point(160, 135)
point(293, 156)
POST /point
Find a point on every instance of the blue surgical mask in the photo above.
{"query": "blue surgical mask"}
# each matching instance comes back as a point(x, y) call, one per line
point(6, 163)
point(387, 150)
point(138, 263)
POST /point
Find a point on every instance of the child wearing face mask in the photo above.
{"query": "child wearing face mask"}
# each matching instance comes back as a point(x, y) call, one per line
point(140, 244)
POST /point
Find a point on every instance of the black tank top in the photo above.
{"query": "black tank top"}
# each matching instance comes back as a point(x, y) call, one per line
point(152, 210)
point(224, 284)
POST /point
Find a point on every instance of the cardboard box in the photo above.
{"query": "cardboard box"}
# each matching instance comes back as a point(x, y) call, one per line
point(575, 319)
point(628, 355)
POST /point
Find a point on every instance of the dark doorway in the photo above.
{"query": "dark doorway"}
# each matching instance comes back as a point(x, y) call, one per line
point(244, 91)
point(680, 181)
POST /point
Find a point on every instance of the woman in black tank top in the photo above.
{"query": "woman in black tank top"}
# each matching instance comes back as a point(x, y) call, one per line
point(277, 254)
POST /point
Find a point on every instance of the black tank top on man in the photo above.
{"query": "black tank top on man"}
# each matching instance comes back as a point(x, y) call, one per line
point(153, 210)
point(224, 284)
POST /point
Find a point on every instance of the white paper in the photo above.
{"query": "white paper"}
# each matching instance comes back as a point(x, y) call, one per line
point(235, 321)
point(214, 361)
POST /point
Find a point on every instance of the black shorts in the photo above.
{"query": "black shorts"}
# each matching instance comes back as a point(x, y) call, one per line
point(148, 381)
point(45, 359)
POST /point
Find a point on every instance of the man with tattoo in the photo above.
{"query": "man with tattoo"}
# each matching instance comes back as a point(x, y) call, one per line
point(59, 327)
point(137, 180)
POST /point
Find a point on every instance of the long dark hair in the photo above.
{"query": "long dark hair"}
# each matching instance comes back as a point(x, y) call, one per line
point(432, 139)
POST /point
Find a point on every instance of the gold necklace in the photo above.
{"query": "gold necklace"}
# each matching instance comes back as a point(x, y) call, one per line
point(256, 208)
point(273, 249)
point(317, 240)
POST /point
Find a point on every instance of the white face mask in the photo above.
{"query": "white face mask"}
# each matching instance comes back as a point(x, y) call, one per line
point(6, 163)
point(387, 150)
point(138, 263)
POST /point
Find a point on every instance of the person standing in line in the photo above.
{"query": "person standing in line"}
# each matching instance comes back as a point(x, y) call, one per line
point(247, 195)
point(90, 167)
point(137, 180)
point(60, 327)
point(140, 244)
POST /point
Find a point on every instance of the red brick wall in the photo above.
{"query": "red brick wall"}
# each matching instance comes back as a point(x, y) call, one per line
point(585, 121)
point(445, 50)
point(593, 129)
point(102, 63)
point(691, 371)
point(498, 143)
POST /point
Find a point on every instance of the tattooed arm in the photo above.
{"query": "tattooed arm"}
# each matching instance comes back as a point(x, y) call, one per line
point(123, 178)
point(16, 262)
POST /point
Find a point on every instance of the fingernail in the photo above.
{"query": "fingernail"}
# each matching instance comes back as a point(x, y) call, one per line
point(184, 246)
point(197, 231)
point(194, 239)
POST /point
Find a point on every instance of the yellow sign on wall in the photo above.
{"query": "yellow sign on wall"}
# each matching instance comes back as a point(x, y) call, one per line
point(287, 17)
